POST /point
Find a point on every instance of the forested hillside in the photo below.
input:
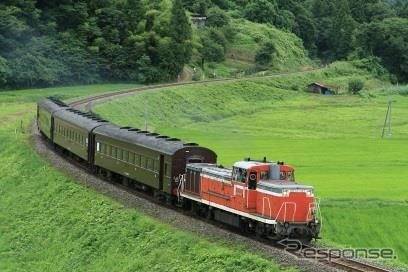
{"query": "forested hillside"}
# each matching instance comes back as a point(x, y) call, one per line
point(44, 43)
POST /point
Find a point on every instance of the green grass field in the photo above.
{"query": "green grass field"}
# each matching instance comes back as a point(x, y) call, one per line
point(334, 142)
point(50, 223)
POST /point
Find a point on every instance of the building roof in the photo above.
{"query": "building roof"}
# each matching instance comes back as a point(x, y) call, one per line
point(324, 85)
point(199, 18)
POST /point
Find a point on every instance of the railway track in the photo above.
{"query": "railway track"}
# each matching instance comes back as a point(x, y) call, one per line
point(336, 262)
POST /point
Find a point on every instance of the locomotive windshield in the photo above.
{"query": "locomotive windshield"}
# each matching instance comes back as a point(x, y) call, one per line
point(239, 174)
point(287, 175)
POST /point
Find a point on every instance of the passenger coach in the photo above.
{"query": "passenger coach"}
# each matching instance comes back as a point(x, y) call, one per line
point(150, 158)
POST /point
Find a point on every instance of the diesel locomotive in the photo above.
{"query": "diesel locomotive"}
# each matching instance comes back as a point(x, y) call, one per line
point(261, 197)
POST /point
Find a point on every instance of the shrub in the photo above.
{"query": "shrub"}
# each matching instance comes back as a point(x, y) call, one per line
point(216, 17)
point(355, 86)
point(264, 56)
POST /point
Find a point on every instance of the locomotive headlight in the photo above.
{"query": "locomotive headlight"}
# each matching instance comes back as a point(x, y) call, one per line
point(285, 192)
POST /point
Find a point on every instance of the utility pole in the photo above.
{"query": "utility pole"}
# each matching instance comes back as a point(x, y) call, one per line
point(387, 122)
point(145, 116)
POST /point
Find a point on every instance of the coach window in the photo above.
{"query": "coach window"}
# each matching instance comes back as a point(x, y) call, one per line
point(131, 158)
point(165, 169)
point(150, 164)
point(156, 166)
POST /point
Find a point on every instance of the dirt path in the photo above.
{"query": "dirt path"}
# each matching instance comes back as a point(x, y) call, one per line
point(86, 104)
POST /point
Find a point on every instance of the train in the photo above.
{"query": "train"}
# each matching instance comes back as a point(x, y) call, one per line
point(254, 196)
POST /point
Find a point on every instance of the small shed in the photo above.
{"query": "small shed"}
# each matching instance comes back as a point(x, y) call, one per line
point(322, 88)
point(199, 21)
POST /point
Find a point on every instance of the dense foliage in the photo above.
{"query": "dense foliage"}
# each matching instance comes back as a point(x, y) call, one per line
point(330, 30)
point(45, 43)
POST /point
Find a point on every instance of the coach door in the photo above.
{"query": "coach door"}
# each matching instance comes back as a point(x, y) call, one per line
point(161, 172)
point(90, 142)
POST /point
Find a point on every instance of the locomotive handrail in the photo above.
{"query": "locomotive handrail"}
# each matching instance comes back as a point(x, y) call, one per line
point(319, 213)
point(285, 204)
point(263, 206)
point(181, 178)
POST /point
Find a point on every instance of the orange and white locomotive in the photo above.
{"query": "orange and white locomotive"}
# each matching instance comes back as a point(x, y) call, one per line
point(259, 196)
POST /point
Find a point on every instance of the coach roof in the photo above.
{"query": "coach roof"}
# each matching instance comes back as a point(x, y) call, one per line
point(146, 139)
point(79, 119)
point(52, 105)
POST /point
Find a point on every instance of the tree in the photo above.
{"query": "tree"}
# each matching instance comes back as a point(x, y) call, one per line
point(335, 28)
point(355, 86)
point(262, 11)
point(180, 34)
point(264, 56)
point(387, 40)
point(217, 17)
point(4, 70)
point(342, 30)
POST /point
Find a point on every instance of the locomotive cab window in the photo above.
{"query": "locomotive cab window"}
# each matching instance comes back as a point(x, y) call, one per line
point(239, 174)
point(264, 175)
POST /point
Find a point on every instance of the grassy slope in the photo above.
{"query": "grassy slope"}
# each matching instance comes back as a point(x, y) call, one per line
point(334, 143)
point(290, 53)
point(250, 36)
point(50, 223)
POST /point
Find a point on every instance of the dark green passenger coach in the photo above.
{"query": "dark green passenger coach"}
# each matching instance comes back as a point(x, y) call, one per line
point(73, 131)
point(45, 109)
point(150, 158)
